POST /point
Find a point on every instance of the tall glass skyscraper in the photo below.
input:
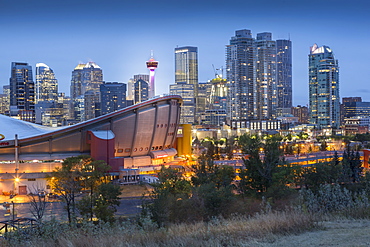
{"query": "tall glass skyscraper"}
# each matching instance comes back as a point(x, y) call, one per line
point(186, 72)
point(284, 73)
point(86, 80)
point(323, 87)
point(46, 84)
point(255, 70)
point(240, 75)
point(22, 92)
point(265, 77)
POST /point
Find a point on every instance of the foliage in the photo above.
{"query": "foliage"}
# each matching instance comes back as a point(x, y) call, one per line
point(352, 170)
point(332, 198)
point(321, 173)
point(106, 201)
point(206, 172)
point(76, 174)
point(266, 171)
point(168, 197)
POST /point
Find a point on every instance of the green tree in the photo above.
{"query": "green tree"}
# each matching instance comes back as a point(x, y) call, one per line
point(107, 200)
point(265, 168)
point(206, 172)
point(351, 163)
point(76, 174)
point(168, 197)
point(65, 181)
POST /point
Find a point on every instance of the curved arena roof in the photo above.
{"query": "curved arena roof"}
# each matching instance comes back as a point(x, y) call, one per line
point(137, 130)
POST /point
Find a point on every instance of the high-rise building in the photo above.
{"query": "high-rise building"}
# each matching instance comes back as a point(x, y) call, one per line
point(240, 75)
point(3, 104)
point(218, 95)
point(92, 104)
point(22, 92)
point(5, 100)
point(86, 79)
point(141, 91)
point(323, 87)
point(186, 91)
point(186, 72)
point(256, 69)
point(265, 77)
point(113, 97)
point(46, 84)
point(284, 73)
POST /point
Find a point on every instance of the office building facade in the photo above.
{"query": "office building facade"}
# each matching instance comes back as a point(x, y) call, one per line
point(22, 92)
point(186, 72)
point(46, 84)
point(113, 97)
point(86, 79)
point(284, 73)
point(141, 91)
point(323, 88)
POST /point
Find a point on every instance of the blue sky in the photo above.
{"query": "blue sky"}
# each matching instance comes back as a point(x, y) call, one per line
point(119, 36)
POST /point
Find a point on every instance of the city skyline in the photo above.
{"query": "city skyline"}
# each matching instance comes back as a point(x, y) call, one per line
point(111, 34)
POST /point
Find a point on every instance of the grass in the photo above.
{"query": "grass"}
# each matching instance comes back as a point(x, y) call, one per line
point(236, 231)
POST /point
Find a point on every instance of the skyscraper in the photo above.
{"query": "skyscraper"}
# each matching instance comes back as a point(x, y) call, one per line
point(323, 87)
point(186, 72)
point(284, 73)
point(22, 92)
point(113, 96)
point(240, 75)
point(46, 84)
point(186, 91)
point(265, 77)
point(86, 77)
point(141, 91)
point(86, 80)
point(256, 69)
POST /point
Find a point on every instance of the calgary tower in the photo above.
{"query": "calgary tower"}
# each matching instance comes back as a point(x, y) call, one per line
point(151, 65)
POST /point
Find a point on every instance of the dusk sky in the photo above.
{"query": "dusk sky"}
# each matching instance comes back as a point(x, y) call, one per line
point(119, 35)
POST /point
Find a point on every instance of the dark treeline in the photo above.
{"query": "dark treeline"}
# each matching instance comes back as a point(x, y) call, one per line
point(213, 190)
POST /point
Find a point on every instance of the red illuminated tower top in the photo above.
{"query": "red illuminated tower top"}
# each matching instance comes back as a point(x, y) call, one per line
point(152, 64)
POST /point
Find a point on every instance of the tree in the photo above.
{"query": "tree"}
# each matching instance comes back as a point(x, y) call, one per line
point(106, 201)
point(206, 172)
point(351, 163)
point(266, 171)
point(38, 204)
point(92, 176)
point(75, 174)
point(168, 197)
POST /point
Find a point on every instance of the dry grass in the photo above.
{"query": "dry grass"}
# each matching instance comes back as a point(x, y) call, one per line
point(237, 231)
point(134, 190)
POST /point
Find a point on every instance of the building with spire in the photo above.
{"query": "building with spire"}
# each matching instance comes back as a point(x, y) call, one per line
point(324, 101)
point(152, 66)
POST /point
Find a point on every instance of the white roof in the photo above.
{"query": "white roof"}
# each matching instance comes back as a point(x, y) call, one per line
point(11, 126)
